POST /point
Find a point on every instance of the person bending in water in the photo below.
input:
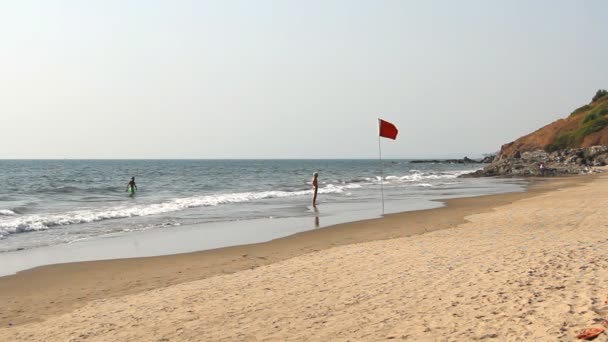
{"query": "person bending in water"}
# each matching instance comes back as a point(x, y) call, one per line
point(131, 186)
point(315, 188)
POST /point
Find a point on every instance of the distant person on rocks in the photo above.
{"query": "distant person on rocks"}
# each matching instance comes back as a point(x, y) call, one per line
point(542, 168)
point(315, 188)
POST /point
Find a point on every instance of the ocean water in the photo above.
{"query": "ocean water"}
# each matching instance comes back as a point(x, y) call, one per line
point(55, 202)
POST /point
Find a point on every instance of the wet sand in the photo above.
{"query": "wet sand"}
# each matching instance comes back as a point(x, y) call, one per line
point(52, 293)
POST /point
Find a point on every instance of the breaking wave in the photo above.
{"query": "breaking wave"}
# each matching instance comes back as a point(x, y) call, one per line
point(12, 222)
point(418, 176)
point(27, 223)
point(6, 212)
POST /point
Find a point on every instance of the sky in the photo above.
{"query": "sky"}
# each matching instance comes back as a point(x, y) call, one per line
point(290, 79)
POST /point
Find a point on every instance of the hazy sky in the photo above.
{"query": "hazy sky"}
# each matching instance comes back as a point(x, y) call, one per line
point(290, 79)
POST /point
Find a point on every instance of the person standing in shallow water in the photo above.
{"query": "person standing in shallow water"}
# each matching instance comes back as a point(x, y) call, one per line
point(131, 186)
point(315, 188)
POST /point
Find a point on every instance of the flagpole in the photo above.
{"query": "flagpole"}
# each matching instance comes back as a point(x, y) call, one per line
point(381, 169)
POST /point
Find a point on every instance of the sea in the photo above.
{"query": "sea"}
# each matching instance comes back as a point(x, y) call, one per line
point(80, 210)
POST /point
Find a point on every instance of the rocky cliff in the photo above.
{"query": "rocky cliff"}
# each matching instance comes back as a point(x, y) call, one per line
point(568, 146)
point(587, 126)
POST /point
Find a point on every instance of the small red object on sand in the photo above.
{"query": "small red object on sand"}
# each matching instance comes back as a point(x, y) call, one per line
point(589, 333)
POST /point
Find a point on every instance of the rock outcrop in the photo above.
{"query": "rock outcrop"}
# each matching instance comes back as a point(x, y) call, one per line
point(564, 162)
point(465, 160)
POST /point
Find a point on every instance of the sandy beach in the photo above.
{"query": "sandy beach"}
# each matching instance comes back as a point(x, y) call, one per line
point(303, 171)
point(519, 266)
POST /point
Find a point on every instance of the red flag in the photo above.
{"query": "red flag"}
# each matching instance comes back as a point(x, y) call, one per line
point(387, 129)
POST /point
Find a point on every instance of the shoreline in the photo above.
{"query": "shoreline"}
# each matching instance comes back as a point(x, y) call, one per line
point(46, 291)
point(200, 237)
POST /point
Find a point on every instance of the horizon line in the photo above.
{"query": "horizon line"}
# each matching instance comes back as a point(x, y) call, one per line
point(354, 158)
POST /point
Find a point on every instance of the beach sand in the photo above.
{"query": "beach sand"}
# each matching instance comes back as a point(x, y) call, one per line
point(527, 266)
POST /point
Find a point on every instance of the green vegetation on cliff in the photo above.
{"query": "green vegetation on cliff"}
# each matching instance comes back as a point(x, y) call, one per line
point(594, 121)
point(599, 94)
point(585, 127)
point(580, 110)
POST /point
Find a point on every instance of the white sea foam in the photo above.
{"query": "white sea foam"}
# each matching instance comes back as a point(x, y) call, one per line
point(11, 222)
point(413, 176)
point(19, 224)
point(417, 176)
point(6, 212)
